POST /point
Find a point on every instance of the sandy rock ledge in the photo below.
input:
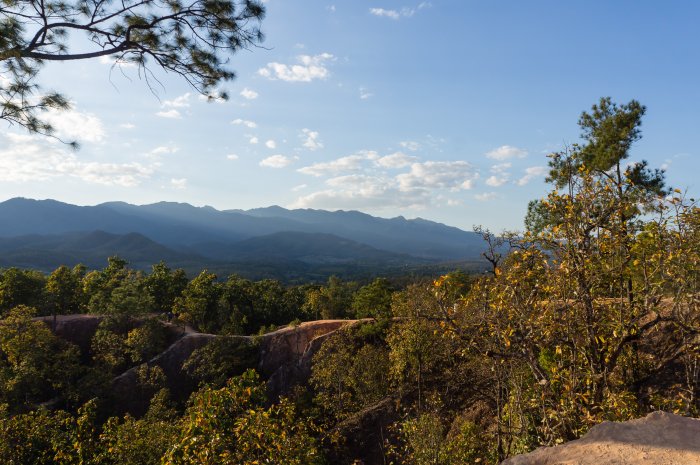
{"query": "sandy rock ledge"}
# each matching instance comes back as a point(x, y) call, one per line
point(659, 438)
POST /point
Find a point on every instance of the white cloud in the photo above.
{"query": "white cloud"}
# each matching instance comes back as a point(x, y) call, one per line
point(73, 124)
point(164, 150)
point(271, 144)
point(496, 181)
point(172, 114)
point(365, 94)
point(340, 165)
point(127, 126)
point(245, 122)
point(410, 145)
point(359, 191)
point(32, 158)
point(532, 173)
point(276, 161)
point(331, 8)
point(308, 69)
point(311, 139)
point(253, 140)
point(180, 183)
point(395, 160)
point(486, 196)
point(505, 152)
point(300, 187)
point(405, 12)
point(500, 174)
point(232, 156)
point(183, 101)
point(393, 14)
point(113, 174)
point(453, 175)
point(249, 94)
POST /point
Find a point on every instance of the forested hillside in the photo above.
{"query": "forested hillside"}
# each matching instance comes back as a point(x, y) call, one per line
point(591, 314)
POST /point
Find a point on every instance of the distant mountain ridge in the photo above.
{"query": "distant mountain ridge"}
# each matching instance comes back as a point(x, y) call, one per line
point(180, 232)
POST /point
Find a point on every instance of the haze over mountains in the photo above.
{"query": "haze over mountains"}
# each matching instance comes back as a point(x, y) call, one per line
point(44, 234)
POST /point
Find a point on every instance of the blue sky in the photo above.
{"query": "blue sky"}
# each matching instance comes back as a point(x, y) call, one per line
point(443, 110)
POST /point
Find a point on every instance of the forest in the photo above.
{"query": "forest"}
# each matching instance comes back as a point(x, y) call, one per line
point(591, 314)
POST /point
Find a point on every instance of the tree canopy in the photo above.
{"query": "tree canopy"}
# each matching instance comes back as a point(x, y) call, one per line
point(191, 38)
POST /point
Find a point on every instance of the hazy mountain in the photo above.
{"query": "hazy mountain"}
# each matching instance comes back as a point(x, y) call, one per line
point(313, 248)
point(89, 248)
point(47, 231)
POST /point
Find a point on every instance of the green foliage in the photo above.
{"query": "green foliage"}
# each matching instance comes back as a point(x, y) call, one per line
point(349, 373)
point(331, 301)
point(199, 303)
point(35, 366)
point(164, 286)
point(428, 443)
point(230, 426)
point(221, 359)
point(21, 287)
point(64, 289)
point(373, 300)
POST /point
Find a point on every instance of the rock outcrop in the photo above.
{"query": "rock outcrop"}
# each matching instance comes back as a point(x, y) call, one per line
point(284, 360)
point(659, 438)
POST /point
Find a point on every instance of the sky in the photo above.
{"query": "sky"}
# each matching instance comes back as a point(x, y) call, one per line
point(441, 109)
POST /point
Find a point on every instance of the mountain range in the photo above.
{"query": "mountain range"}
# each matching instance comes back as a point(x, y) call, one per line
point(44, 234)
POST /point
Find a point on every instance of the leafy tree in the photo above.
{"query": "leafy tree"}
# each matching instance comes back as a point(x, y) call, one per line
point(21, 287)
point(64, 290)
point(373, 300)
point(199, 303)
point(164, 286)
point(331, 301)
point(230, 426)
point(35, 365)
point(31, 437)
point(350, 372)
point(221, 359)
point(189, 39)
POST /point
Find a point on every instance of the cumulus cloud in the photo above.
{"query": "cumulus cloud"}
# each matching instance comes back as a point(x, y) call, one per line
point(28, 158)
point(500, 174)
point(532, 173)
point(245, 122)
point(505, 152)
point(344, 164)
point(311, 139)
point(171, 114)
point(164, 150)
point(271, 144)
point(232, 156)
point(496, 181)
point(183, 101)
point(178, 183)
point(307, 69)
point(253, 140)
point(360, 191)
point(276, 161)
point(395, 160)
point(453, 175)
point(127, 126)
point(249, 94)
point(365, 94)
point(74, 124)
